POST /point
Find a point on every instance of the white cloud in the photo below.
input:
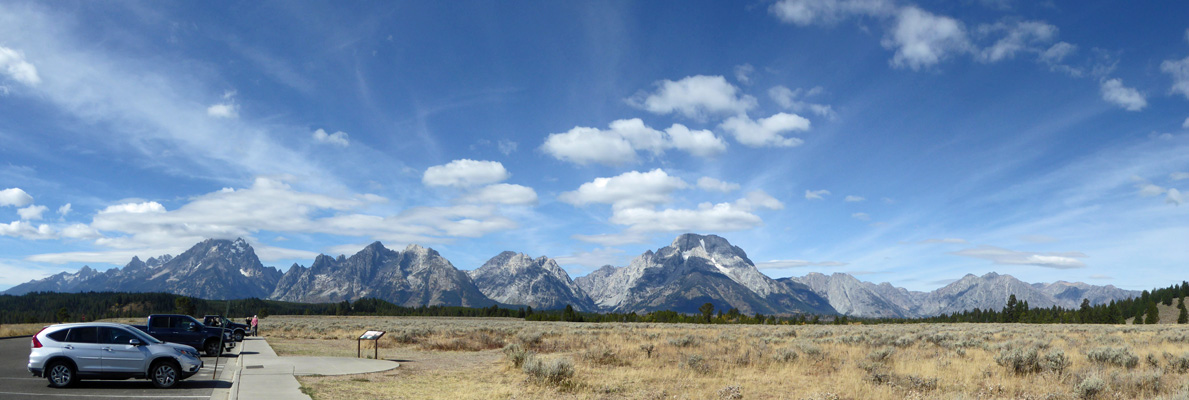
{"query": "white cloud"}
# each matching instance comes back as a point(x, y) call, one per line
point(781, 264)
point(13, 64)
point(706, 218)
point(1115, 93)
point(711, 184)
point(1179, 70)
point(64, 210)
point(614, 239)
point(223, 110)
point(1185, 124)
point(503, 193)
point(694, 97)
point(1148, 190)
point(80, 231)
point(854, 199)
point(339, 138)
point(618, 144)
point(861, 216)
point(767, 131)
point(757, 199)
point(465, 173)
point(701, 143)
point(134, 208)
point(15, 197)
point(1020, 36)
point(816, 194)
point(826, 12)
point(794, 100)
point(1178, 176)
point(592, 259)
point(1174, 197)
point(32, 212)
point(1056, 54)
point(1003, 256)
point(922, 39)
point(26, 230)
point(583, 145)
point(505, 146)
point(743, 73)
point(630, 189)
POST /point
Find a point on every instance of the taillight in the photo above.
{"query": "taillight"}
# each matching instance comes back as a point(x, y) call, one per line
point(37, 343)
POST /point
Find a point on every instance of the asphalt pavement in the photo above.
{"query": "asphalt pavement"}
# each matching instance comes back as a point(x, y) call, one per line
point(17, 383)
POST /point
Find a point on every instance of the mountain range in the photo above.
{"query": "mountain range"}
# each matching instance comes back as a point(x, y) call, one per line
point(691, 271)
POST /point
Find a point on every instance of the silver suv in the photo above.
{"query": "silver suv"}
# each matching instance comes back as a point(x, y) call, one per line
point(65, 353)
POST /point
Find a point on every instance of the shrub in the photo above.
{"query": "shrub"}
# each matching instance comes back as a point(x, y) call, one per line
point(517, 354)
point(1117, 356)
point(685, 341)
point(698, 364)
point(785, 355)
point(1020, 360)
point(1055, 361)
point(556, 372)
point(648, 348)
point(1179, 364)
point(1089, 387)
point(603, 356)
point(731, 393)
point(812, 351)
point(881, 354)
point(1137, 384)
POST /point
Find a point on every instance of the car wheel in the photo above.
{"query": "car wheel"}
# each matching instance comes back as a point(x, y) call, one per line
point(164, 374)
point(239, 336)
point(211, 348)
point(61, 374)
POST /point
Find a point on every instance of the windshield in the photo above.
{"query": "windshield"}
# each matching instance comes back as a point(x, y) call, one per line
point(144, 337)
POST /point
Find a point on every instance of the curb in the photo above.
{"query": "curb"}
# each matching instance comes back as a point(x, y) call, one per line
point(233, 393)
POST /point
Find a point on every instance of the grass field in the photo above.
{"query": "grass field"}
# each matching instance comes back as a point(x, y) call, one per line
point(505, 359)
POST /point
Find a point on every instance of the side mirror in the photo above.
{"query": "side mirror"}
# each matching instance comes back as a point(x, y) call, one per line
point(134, 342)
point(194, 327)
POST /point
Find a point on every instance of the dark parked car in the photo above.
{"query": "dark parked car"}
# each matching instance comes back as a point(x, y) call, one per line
point(186, 330)
point(237, 330)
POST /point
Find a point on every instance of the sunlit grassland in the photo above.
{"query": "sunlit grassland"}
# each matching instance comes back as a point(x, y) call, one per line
point(477, 358)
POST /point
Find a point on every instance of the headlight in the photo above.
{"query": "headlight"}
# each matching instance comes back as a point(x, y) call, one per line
point(185, 352)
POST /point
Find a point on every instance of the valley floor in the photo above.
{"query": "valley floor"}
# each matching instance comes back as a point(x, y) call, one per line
point(468, 358)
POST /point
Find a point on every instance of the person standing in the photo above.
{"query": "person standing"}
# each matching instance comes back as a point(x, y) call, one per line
point(255, 324)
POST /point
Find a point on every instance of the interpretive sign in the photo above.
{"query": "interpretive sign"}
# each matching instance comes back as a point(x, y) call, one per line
point(374, 336)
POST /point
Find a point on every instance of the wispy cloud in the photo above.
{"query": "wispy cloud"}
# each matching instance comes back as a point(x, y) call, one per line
point(998, 255)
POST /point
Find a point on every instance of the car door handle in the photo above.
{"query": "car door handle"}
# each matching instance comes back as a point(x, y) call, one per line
point(107, 348)
point(69, 347)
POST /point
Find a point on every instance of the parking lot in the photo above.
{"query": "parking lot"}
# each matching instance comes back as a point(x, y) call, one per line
point(17, 383)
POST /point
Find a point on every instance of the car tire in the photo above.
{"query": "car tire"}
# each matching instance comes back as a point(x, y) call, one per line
point(212, 348)
point(239, 336)
point(61, 374)
point(164, 374)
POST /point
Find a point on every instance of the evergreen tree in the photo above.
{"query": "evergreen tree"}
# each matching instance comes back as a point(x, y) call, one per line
point(707, 311)
point(1084, 312)
point(1153, 314)
point(182, 305)
point(1183, 316)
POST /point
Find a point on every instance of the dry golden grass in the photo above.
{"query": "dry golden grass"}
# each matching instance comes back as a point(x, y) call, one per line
point(7, 330)
point(454, 358)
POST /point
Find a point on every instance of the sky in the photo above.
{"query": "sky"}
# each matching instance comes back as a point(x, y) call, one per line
point(902, 142)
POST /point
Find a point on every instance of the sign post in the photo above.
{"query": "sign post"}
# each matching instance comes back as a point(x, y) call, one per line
point(374, 336)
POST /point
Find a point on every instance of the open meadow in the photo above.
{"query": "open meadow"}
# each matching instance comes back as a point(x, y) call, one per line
point(470, 358)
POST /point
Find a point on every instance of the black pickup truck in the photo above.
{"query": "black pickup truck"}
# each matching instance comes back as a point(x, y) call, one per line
point(184, 329)
point(219, 321)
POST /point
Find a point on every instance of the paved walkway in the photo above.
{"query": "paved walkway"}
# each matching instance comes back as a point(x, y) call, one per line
point(261, 374)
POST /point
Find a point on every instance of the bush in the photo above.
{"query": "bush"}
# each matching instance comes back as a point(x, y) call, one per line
point(881, 354)
point(603, 356)
point(1179, 364)
point(731, 393)
point(1117, 356)
point(1089, 387)
point(698, 364)
point(1020, 360)
point(686, 341)
point(785, 355)
point(517, 354)
point(557, 372)
point(1055, 361)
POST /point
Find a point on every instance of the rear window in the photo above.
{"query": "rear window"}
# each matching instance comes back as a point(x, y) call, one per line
point(86, 334)
point(159, 322)
point(58, 336)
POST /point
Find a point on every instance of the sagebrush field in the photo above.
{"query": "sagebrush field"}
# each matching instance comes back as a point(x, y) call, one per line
point(472, 358)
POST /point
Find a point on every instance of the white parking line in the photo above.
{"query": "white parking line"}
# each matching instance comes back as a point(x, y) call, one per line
point(105, 396)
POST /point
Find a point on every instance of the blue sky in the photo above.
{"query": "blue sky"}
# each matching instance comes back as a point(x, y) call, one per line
point(907, 142)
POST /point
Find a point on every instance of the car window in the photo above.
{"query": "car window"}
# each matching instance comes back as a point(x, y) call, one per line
point(59, 336)
point(82, 334)
point(144, 337)
point(159, 322)
point(180, 323)
point(109, 335)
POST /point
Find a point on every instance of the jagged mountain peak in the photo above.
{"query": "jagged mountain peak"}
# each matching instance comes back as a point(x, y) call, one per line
point(517, 278)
